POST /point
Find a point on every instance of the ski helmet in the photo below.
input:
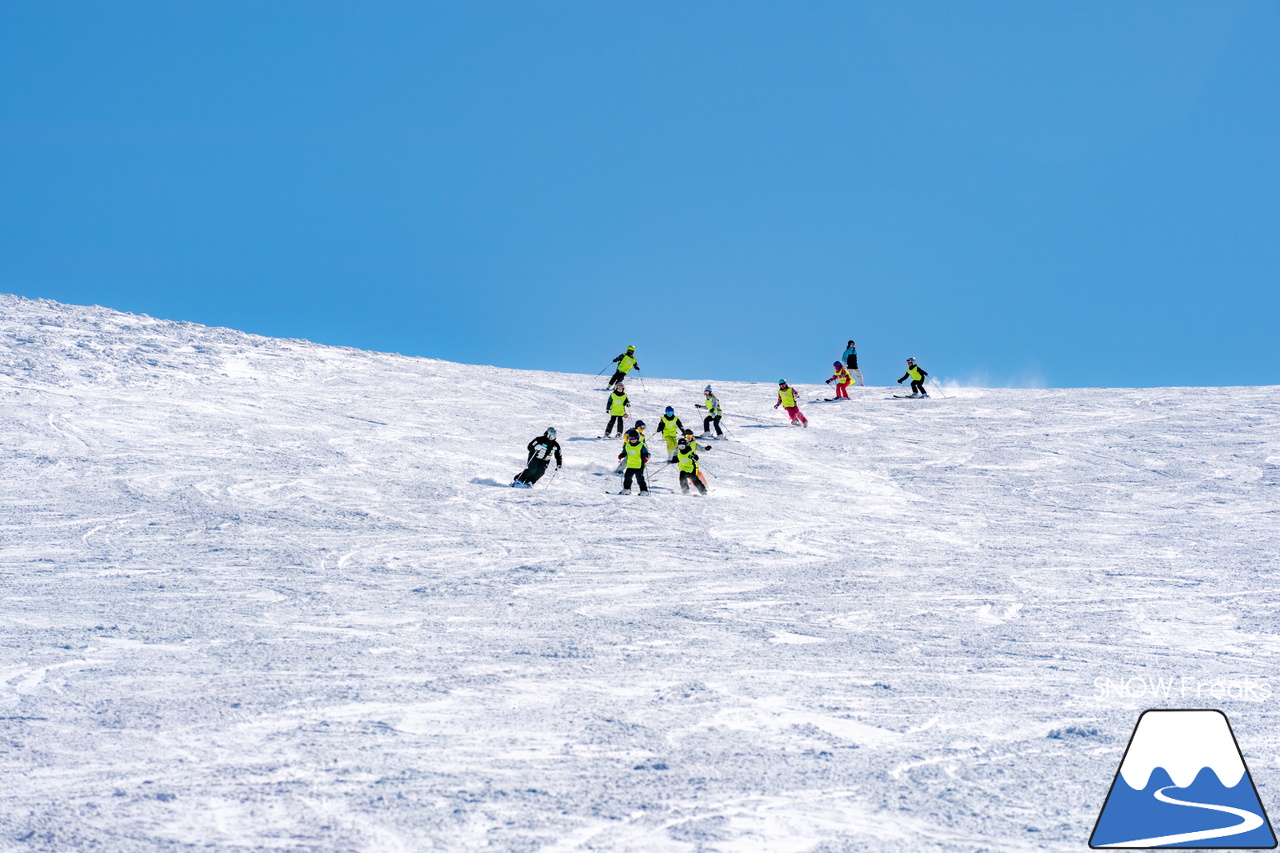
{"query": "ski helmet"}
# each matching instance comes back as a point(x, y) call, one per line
point(706, 390)
point(550, 433)
point(670, 411)
point(682, 443)
point(618, 387)
point(632, 435)
point(835, 364)
point(911, 361)
point(639, 425)
point(782, 382)
point(631, 349)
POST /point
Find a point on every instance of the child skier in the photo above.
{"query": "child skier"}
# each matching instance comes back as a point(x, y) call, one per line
point(670, 428)
point(842, 380)
point(917, 375)
point(622, 465)
point(618, 408)
point(712, 405)
point(851, 362)
point(636, 455)
point(787, 399)
point(626, 363)
point(686, 459)
point(541, 450)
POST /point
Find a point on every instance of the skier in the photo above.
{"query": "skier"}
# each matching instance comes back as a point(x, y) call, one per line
point(541, 449)
point(851, 362)
point(636, 455)
point(618, 408)
point(713, 413)
point(917, 374)
point(686, 459)
point(787, 399)
point(626, 363)
point(842, 380)
point(639, 427)
point(670, 427)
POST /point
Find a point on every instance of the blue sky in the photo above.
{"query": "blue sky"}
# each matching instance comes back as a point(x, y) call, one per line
point(1067, 194)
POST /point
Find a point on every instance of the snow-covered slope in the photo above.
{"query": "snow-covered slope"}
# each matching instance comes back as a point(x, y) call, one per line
point(264, 594)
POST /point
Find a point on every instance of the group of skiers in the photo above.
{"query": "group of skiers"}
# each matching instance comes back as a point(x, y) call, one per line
point(681, 445)
point(618, 408)
point(682, 451)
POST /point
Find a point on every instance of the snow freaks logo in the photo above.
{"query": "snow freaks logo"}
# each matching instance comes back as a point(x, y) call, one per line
point(1181, 687)
point(1183, 783)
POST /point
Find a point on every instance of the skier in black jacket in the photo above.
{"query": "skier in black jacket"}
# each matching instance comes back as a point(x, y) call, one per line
point(916, 374)
point(541, 450)
point(626, 363)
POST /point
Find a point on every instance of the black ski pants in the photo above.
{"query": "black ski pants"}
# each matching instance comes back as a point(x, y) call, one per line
point(917, 386)
point(620, 422)
point(708, 421)
point(617, 377)
point(533, 472)
point(638, 474)
point(687, 477)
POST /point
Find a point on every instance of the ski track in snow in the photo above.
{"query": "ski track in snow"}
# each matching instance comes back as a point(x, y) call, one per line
point(262, 594)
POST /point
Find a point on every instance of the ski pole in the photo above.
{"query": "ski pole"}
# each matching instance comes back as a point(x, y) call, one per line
point(552, 477)
point(606, 367)
point(938, 387)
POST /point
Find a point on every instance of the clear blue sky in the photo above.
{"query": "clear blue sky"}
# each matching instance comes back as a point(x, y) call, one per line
point(1074, 193)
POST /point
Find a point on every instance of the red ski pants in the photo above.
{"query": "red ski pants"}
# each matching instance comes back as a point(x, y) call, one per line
point(796, 414)
point(842, 390)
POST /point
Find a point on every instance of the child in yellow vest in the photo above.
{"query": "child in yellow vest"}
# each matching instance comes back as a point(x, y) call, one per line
point(917, 374)
point(618, 409)
point(635, 454)
point(670, 428)
point(842, 380)
point(686, 458)
point(787, 400)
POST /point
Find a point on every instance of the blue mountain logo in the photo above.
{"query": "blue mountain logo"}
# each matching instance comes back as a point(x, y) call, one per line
point(1183, 783)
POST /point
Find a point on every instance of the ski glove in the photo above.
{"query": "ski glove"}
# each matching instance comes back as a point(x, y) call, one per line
point(899, 381)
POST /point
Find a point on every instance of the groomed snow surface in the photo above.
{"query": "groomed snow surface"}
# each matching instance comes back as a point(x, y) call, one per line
point(268, 595)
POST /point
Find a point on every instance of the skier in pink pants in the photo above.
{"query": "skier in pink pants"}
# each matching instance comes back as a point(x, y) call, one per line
point(842, 380)
point(787, 399)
